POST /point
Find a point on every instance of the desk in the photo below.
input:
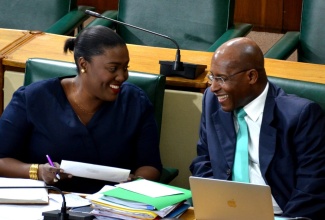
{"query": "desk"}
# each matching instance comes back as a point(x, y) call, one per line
point(15, 41)
point(295, 70)
point(188, 215)
point(8, 37)
point(142, 58)
point(50, 46)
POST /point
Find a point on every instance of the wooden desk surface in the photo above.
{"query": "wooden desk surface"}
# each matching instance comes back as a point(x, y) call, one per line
point(295, 70)
point(146, 59)
point(142, 58)
point(8, 37)
point(188, 215)
point(24, 45)
point(42, 45)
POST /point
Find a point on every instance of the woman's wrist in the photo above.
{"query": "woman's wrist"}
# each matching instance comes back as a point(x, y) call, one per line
point(33, 171)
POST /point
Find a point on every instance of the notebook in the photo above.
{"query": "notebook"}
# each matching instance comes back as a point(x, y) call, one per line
point(220, 199)
point(22, 195)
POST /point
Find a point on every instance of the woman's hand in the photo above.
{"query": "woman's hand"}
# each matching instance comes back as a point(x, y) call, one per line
point(148, 173)
point(144, 172)
point(47, 173)
point(133, 177)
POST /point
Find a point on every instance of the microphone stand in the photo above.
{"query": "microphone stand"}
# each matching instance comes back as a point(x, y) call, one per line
point(168, 68)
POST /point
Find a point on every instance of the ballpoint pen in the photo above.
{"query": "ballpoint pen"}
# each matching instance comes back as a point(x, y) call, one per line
point(52, 164)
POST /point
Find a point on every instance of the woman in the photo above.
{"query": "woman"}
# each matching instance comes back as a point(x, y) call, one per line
point(95, 117)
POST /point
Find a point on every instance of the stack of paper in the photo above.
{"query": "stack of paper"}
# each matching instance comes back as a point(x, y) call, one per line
point(141, 199)
point(23, 195)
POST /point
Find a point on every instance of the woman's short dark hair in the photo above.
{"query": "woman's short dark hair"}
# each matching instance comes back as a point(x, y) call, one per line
point(92, 41)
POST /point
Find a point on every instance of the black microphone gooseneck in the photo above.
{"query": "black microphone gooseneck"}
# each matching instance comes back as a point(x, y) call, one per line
point(177, 65)
point(63, 215)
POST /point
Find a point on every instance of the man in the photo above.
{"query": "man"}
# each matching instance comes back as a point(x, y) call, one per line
point(286, 134)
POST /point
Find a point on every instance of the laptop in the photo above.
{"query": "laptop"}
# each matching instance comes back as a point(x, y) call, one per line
point(221, 199)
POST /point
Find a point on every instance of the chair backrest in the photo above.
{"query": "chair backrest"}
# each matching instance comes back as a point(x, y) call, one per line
point(152, 84)
point(193, 24)
point(308, 90)
point(180, 131)
point(311, 47)
point(33, 15)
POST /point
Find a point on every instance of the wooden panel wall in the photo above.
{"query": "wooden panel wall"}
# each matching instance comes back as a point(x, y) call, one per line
point(292, 15)
point(265, 15)
point(269, 15)
point(100, 5)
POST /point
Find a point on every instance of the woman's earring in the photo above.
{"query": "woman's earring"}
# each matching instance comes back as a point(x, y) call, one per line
point(83, 70)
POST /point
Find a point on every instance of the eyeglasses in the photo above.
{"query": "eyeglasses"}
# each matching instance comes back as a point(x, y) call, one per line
point(222, 79)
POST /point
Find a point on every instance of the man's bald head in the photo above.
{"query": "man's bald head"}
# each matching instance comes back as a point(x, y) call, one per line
point(242, 52)
point(237, 67)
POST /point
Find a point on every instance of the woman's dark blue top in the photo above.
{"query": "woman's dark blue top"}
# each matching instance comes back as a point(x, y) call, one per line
point(39, 120)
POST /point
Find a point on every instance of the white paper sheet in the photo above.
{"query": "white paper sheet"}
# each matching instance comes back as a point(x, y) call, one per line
point(27, 212)
point(72, 200)
point(24, 195)
point(148, 188)
point(99, 194)
point(93, 171)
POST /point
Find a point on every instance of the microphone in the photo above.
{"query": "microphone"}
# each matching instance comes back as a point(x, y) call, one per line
point(167, 68)
point(56, 214)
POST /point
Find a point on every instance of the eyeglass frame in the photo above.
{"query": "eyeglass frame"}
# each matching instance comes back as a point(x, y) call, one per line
point(222, 81)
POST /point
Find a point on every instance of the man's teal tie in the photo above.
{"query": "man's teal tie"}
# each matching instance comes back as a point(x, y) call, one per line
point(240, 170)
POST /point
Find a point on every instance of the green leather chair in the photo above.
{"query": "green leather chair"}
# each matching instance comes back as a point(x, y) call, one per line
point(152, 84)
point(309, 42)
point(308, 90)
point(51, 16)
point(193, 24)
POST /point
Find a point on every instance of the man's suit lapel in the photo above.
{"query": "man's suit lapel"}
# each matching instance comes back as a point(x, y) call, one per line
point(224, 125)
point(267, 142)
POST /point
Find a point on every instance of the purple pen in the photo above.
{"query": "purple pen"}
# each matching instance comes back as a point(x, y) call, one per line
point(52, 164)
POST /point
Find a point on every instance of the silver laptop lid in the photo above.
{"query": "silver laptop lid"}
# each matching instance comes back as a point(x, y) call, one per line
point(220, 199)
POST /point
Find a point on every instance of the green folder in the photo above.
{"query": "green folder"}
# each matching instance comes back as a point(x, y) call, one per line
point(158, 202)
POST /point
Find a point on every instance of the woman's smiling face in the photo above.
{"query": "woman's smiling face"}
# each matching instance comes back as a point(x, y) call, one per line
point(106, 73)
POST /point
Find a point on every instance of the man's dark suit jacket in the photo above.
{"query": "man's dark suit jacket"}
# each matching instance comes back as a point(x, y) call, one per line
point(291, 150)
